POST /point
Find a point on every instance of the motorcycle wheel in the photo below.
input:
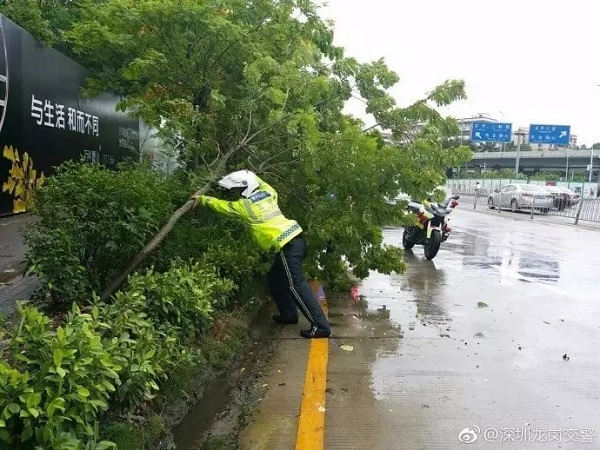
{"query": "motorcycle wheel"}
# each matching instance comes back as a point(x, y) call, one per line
point(433, 245)
point(405, 241)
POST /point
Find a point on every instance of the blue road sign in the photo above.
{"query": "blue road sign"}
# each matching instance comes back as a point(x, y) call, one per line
point(549, 134)
point(491, 132)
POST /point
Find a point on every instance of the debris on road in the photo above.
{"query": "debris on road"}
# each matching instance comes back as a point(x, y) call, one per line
point(347, 348)
point(566, 357)
point(482, 305)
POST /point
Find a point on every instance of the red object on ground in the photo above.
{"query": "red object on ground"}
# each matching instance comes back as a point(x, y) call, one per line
point(354, 293)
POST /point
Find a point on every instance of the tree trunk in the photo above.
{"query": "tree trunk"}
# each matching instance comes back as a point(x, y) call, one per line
point(164, 231)
point(159, 237)
point(150, 246)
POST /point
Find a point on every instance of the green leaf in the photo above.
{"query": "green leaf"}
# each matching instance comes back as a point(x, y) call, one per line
point(61, 372)
point(57, 357)
point(27, 433)
point(105, 445)
point(83, 392)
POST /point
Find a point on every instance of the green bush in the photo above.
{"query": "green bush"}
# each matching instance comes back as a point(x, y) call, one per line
point(59, 382)
point(184, 297)
point(222, 243)
point(92, 221)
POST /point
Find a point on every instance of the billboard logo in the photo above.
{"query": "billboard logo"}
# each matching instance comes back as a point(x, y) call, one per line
point(3, 75)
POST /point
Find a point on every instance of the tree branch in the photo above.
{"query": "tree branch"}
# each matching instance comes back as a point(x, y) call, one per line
point(282, 163)
point(262, 164)
point(164, 231)
point(370, 128)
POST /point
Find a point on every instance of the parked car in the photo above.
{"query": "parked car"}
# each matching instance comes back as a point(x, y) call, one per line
point(573, 197)
point(521, 196)
point(560, 197)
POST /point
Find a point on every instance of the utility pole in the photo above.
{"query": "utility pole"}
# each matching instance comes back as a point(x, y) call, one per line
point(519, 134)
point(592, 158)
point(591, 164)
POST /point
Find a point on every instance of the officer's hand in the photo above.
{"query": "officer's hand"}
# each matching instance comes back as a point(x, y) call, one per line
point(196, 199)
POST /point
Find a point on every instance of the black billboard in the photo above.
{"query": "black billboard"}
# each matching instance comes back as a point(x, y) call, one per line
point(43, 113)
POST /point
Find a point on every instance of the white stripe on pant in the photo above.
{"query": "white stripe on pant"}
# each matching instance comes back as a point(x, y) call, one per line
point(293, 289)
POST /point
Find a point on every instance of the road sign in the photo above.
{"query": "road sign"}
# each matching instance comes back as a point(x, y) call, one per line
point(491, 132)
point(549, 134)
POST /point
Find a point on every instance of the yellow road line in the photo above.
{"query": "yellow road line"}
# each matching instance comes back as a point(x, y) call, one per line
point(311, 424)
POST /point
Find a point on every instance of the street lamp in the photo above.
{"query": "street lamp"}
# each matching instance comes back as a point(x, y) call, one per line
point(592, 159)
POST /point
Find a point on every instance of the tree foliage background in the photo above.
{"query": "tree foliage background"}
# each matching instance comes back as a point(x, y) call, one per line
point(261, 85)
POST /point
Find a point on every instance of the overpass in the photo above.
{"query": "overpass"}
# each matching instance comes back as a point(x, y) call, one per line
point(535, 160)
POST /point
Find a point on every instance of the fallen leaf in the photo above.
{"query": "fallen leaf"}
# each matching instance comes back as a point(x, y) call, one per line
point(322, 409)
point(243, 369)
point(347, 348)
point(264, 385)
point(482, 305)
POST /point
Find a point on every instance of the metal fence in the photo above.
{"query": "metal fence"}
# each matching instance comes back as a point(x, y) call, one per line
point(587, 209)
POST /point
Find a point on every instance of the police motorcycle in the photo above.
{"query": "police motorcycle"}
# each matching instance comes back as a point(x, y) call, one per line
point(432, 225)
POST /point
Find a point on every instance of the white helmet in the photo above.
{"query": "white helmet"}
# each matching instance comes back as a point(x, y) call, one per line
point(240, 179)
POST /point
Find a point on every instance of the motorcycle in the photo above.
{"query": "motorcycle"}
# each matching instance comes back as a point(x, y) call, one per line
point(432, 227)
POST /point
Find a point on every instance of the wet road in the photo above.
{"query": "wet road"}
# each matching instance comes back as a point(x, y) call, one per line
point(472, 342)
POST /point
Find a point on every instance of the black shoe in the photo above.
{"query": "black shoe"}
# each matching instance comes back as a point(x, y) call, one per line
point(315, 333)
point(277, 318)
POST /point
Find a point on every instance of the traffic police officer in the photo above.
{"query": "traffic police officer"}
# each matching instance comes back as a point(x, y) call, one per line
point(272, 231)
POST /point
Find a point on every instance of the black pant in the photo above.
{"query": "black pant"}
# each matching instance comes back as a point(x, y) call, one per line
point(290, 288)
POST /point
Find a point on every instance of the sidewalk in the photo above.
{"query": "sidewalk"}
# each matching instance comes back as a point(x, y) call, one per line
point(319, 384)
point(14, 286)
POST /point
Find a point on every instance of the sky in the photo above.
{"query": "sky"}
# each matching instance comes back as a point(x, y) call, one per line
point(532, 61)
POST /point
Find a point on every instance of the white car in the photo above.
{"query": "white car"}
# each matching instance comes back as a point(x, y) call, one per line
point(521, 196)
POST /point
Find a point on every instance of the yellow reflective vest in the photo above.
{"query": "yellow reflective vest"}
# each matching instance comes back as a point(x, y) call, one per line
point(269, 227)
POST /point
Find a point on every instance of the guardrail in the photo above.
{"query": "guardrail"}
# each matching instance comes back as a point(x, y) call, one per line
point(587, 209)
point(537, 154)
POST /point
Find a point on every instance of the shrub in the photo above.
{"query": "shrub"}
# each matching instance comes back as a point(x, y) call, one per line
point(92, 221)
point(145, 351)
point(59, 383)
point(222, 243)
point(184, 297)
